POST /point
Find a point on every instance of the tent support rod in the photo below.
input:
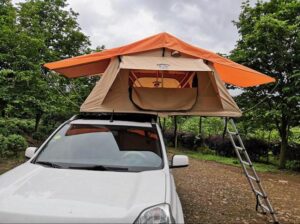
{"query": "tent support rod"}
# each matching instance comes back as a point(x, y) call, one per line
point(185, 75)
point(192, 75)
point(136, 78)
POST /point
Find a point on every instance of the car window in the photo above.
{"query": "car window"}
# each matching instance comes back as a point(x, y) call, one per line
point(133, 148)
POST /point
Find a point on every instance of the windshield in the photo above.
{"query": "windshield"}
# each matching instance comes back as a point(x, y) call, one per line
point(103, 147)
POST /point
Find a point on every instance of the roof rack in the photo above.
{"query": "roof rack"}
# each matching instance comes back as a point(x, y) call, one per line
point(137, 117)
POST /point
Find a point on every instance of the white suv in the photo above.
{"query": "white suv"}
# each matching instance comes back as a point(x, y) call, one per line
point(95, 170)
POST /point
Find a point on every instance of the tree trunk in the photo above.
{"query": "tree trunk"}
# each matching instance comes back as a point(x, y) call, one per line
point(200, 127)
point(284, 143)
point(282, 156)
point(38, 117)
point(175, 132)
point(164, 125)
point(269, 144)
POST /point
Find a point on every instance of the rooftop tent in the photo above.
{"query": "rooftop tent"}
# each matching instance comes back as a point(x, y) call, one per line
point(157, 82)
point(163, 75)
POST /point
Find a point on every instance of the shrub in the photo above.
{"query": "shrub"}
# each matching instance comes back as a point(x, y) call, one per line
point(16, 144)
point(16, 126)
point(3, 146)
point(188, 140)
point(39, 136)
point(293, 165)
point(205, 150)
point(221, 146)
point(256, 148)
point(169, 138)
point(293, 150)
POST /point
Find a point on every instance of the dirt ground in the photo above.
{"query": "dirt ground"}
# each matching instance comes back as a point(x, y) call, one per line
point(6, 165)
point(215, 193)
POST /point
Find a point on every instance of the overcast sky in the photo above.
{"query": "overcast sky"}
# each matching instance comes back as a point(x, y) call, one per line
point(205, 23)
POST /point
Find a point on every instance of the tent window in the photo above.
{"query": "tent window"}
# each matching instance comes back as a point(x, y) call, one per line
point(162, 79)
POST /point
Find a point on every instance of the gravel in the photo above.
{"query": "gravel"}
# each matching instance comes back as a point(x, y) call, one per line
point(215, 193)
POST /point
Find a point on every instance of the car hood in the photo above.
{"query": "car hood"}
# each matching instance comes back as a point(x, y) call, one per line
point(32, 193)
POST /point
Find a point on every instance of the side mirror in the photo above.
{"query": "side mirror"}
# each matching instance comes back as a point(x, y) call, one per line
point(179, 161)
point(30, 152)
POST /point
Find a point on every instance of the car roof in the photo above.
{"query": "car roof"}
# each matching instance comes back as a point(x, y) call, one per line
point(114, 122)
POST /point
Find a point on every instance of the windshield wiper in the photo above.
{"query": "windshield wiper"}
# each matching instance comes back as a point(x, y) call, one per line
point(99, 167)
point(49, 164)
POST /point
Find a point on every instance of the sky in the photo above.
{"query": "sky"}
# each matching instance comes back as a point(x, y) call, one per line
point(204, 23)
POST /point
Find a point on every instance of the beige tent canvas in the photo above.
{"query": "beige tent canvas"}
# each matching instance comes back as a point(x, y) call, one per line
point(163, 82)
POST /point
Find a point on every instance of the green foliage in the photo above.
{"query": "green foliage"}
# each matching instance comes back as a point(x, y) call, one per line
point(16, 126)
point(270, 43)
point(3, 145)
point(293, 165)
point(210, 125)
point(205, 150)
point(31, 34)
point(16, 144)
point(10, 146)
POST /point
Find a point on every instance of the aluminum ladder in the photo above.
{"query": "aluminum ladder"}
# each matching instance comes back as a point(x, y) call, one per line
point(262, 201)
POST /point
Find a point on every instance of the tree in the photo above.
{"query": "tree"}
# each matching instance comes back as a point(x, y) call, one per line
point(35, 32)
point(270, 43)
point(7, 33)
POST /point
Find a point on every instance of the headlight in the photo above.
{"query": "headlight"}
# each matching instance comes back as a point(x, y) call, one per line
point(159, 214)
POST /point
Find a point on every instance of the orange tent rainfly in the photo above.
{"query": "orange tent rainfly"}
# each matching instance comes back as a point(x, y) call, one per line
point(160, 74)
point(230, 72)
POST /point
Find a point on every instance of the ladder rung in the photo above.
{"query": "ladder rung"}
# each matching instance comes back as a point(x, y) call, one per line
point(252, 178)
point(266, 208)
point(239, 148)
point(259, 193)
point(246, 163)
point(233, 133)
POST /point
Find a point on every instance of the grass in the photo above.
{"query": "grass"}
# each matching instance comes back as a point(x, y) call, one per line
point(261, 167)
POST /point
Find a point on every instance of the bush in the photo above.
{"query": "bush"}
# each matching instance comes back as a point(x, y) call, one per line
point(293, 165)
point(39, 136)
point(188, 140)
point(256, 148)
point(3, 146)
point(16, 144)
point(169, 138)
point(293, 150)
point(222, 147)
point(43, 132)
point(205, 150)
point(16, 126)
